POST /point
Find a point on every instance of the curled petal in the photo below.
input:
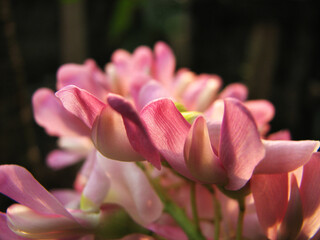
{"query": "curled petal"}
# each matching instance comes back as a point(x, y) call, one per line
point(80, 103)
point(136, 131)
point(50, 114)
point(285, 156)
point(202, 163)
point(110, 137)
point(17, 183)
point(270, 193)
point(310, 195)
point(240, 146)
point(5, 231)
point(32, 224)
point(168, 131)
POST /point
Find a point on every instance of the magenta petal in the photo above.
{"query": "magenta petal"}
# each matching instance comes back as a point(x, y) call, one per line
point(285, 156)
point(80, 103)
point(136, 131)
point(270, 193)
point(17, 183)
point(50, 114)
point(310, 194)
point(168, 130)
point(165, 63)
point(5, 232)
point(240, 146)
point(202, 163)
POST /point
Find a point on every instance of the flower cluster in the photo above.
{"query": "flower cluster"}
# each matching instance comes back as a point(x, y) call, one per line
point(167, 155)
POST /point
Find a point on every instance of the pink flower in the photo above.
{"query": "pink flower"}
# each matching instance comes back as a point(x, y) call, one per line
point(294, 216)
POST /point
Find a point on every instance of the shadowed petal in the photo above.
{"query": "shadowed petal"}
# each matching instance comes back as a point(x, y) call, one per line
point(136, 131)
point(80, 103)
point(168, 131)
point(17, 183)
point(240, 146)
point(270, 193)
point(50, 114)
point(310, 195)
point(285, 156)
point(202, 163)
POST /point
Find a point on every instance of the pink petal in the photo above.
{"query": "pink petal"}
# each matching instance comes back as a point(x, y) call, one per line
point(50, 114)
point(110, 138)
point(168, 131)
point(165, 63)
point(58, 159)
point(87, 76)
point(137, 133)
point(235, 90)
point(167, 231)
point(32, 224)
point(142, 60)
point(270, 193)
point(131, 189)
point(240, 146)
point(262, 111)
point(280, 135)
point(68, 198)
point(202, 163)
point(80, 103)
point(5, 232)
point(18, 184)
point(285, 156)
point(310, 196)
point(98, 184)
point(292, 221)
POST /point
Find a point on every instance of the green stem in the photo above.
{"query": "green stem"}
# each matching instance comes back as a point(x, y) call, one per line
point(174, 210)
point(217, 212)
point(194, 205)
point(241, 204)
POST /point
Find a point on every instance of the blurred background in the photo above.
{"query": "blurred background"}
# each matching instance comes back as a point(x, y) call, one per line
point(271, 46)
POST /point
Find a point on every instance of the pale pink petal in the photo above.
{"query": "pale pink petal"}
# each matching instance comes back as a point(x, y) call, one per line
point(240, 146)
point(58, 159)
point(50, 114)
point(97, 186)
point(110, 138)
point(32, 224)
point(137, 133)
point(138, 82)
point(292, 221)
point(131, 189)
point(18, 184)
point(201, 161)
point(262, 111)
point(235, 90)
point(151, 91)
point(168, 131)
point(214, 129)
point(270, 193)
point(165, 63)
point(310, 195)
point(70, 199)
point(87, 76)
point(182, 80)
point(142, 60)
point(80, 103)
point(5, 232)
point(280, 135)
point(285, 156)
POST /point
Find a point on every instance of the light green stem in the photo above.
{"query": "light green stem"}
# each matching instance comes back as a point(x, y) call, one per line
point(241, 204)
point(194, 205)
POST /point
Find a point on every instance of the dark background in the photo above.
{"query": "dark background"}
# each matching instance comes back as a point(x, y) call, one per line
point(271, 46)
